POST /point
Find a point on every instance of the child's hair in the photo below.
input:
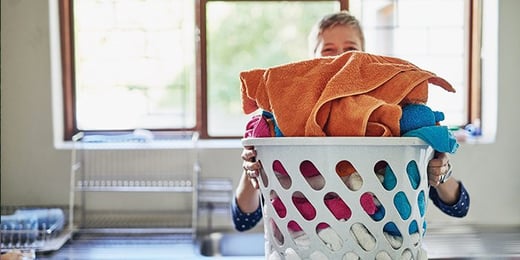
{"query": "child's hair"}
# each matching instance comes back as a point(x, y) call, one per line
point(329, 21)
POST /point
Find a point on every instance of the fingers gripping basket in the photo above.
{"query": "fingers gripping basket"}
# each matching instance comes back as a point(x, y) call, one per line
point(343, 197)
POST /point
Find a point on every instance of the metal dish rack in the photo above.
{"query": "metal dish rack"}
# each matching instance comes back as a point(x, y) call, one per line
point(32, 237)
point(214, 197)
point(135, 169)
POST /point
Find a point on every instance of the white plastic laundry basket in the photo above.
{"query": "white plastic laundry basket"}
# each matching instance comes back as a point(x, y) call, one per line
point(292, 234)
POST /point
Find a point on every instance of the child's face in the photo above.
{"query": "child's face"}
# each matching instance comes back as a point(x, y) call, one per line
point(337, 40)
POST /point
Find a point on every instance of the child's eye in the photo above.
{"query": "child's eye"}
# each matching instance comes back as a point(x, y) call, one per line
point(351, 49)
point(329, 50)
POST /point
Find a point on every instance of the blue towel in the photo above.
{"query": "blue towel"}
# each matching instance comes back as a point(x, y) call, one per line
point(277, 131)
point(439, 138)
point(137, 136)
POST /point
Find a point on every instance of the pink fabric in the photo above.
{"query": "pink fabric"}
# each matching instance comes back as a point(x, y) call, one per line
point(368, 204)
point(257, 127)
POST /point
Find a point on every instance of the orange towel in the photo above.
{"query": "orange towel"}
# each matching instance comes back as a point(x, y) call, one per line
point(354, 94)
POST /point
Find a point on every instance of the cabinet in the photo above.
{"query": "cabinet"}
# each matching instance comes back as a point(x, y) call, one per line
point(134, 183)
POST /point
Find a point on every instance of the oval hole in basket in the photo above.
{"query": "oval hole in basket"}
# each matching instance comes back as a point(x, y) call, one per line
point(402, 205)
point(379, 169)
point(380, 210)
point(386, 175)
point(281, 174)
point(392, 235)
point(391, 229)
point(275, 232)
point(349, 175)
point(304, 206)
point(312, 175)
point(413, 227)
point(363, 237)
point(339, 209)
point(413, 174)
point(350, 255)
point(369, 203)
point(263, 178)
point(329, 236)
point(407, 254)
point(297, 232)
point(413, 230)
point(278, 205)
point(421, 203)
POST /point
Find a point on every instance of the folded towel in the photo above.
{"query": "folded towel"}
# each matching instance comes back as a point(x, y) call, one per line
point(354, 94)
point(137, 136)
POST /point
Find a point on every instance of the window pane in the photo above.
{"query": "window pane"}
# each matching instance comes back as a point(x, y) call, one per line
point(432, 34)
point(135, 64)
point(247, 35)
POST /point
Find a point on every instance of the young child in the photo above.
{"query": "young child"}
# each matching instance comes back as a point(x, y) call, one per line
point(333, 35)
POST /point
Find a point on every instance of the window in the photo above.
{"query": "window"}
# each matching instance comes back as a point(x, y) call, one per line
point(277, 33)
point(432, 34)
point(173, 65)
point(134, 64)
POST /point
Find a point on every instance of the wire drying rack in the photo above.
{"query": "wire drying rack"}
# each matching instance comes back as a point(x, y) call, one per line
point(31, 236)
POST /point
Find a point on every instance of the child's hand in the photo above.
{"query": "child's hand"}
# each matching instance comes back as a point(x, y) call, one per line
point(250, 165)
point(438, 169)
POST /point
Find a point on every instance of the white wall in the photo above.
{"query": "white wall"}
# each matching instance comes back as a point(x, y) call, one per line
point(33, 172)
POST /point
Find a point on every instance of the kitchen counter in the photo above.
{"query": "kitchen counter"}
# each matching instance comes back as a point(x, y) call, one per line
point(461, 242)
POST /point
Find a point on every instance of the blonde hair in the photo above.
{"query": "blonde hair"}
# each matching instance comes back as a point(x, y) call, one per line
point(329, 21)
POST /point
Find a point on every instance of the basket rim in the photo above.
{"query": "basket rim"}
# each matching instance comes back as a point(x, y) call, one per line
point(334, 140)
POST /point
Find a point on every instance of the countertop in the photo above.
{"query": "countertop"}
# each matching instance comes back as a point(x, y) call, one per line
point(460, 242)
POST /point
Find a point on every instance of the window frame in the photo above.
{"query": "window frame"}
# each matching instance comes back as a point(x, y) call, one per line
point(68, 71)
